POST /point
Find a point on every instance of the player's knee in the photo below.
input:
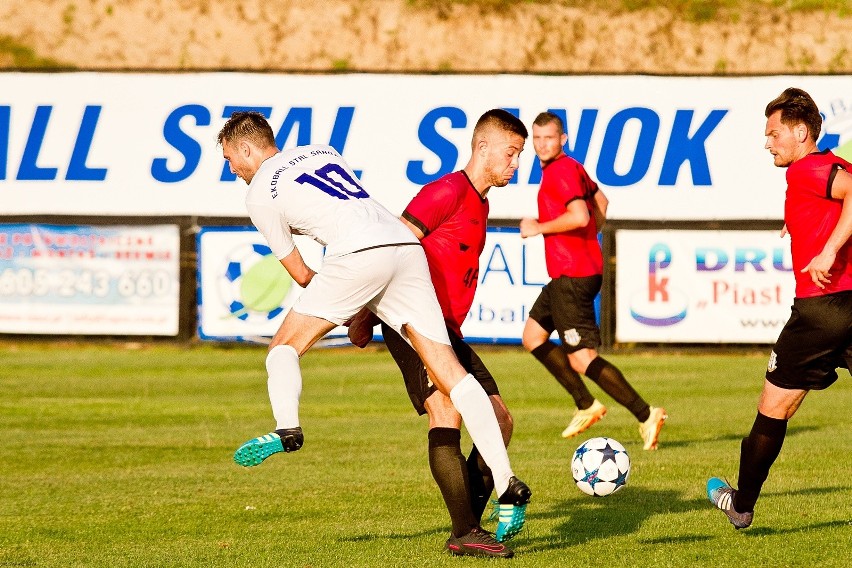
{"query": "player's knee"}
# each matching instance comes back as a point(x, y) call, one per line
point(532, 340)
point(442, 413)
point(580, 359)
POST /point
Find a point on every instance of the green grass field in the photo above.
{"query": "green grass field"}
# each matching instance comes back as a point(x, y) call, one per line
point(118, 455)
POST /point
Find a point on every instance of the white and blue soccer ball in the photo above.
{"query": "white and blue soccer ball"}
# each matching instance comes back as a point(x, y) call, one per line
point(600, 466)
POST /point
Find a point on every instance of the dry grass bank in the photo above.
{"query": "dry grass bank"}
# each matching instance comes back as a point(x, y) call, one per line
point(427, 36)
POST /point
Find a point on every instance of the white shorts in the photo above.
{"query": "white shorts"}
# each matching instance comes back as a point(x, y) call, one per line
point(393, 281)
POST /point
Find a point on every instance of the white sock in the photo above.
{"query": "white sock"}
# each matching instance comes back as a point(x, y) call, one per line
point(475, 408)
point(284, 384)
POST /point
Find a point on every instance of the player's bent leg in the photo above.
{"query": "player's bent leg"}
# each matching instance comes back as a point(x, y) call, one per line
point(534, 335)
point(472, 403)
point(300, 331)
point(777, 402)
point(295, 336)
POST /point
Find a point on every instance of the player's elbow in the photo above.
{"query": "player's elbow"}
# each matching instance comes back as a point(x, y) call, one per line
point(303, 278)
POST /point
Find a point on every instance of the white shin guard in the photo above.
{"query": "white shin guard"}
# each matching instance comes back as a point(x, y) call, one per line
point(475, 408)
point(284, 384)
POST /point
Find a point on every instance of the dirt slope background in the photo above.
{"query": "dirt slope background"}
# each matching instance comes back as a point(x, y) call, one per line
point(685, 37)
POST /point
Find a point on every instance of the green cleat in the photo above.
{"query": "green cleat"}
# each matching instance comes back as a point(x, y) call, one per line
point(255, 451)
point(510, 521)
point(511, 509)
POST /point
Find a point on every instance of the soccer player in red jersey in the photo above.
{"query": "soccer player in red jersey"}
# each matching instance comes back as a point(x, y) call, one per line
point(372, 260)
point(572, 209)
point(817, 339)
point(450, 217)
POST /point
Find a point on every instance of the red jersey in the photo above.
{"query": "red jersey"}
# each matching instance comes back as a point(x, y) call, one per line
point(811, 215)
point(453, 216)
point(574, 253)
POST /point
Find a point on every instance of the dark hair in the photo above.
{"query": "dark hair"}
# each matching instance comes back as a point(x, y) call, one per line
point(247, 125)
point(501, 120)
point(546, 118)
point(797, 107)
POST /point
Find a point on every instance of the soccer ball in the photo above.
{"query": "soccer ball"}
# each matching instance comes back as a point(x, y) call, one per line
point(600, 466)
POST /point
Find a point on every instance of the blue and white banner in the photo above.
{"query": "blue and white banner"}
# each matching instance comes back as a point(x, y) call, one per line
point(702, 286)
point(243, 290)
point(686, 148)
point(105, 280)
point(511, 275)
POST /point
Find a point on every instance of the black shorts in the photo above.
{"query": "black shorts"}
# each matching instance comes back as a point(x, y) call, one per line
point(414, 373)
point(815, 342)
point(567, 305)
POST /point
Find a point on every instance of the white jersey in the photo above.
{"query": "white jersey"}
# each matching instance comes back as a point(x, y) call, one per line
point(311, 190)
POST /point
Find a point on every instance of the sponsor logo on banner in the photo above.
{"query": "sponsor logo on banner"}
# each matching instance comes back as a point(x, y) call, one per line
point(702, 286)
point(662, 304)
point(244, 291)
point(837, 128)
point(91, 280)
point(253, 284)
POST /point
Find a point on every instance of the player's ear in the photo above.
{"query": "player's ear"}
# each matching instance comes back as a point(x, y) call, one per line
point(563, 138)
point(482, 146)
point(801, 132)
point(245, 148)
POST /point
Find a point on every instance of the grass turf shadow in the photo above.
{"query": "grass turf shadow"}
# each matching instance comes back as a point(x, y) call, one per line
point(602, 518)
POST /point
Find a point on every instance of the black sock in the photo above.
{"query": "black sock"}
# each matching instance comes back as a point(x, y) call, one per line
point(481, 483)
point(553, 358)
point(609, 378)
point(450, 472)
point(757, 454)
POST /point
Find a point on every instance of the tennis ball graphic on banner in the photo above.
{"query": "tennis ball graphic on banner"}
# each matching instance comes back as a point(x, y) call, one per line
point(256, 283)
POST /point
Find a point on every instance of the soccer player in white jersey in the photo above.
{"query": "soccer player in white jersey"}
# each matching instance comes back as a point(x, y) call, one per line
point(372, 259)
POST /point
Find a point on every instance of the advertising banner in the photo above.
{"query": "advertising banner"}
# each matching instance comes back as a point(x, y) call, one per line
point(511, 275)
point(104, 280)
point(680, 148)
point(702, 286)
point(244, 292)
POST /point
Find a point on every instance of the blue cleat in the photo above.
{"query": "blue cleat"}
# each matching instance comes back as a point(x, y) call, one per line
point(255, 451)
point(511, 509)
point(510, 521)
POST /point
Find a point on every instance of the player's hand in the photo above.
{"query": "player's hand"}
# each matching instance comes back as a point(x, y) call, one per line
point(361, 327)
point(818, 268)
point(784, 231)
point(529, 227)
